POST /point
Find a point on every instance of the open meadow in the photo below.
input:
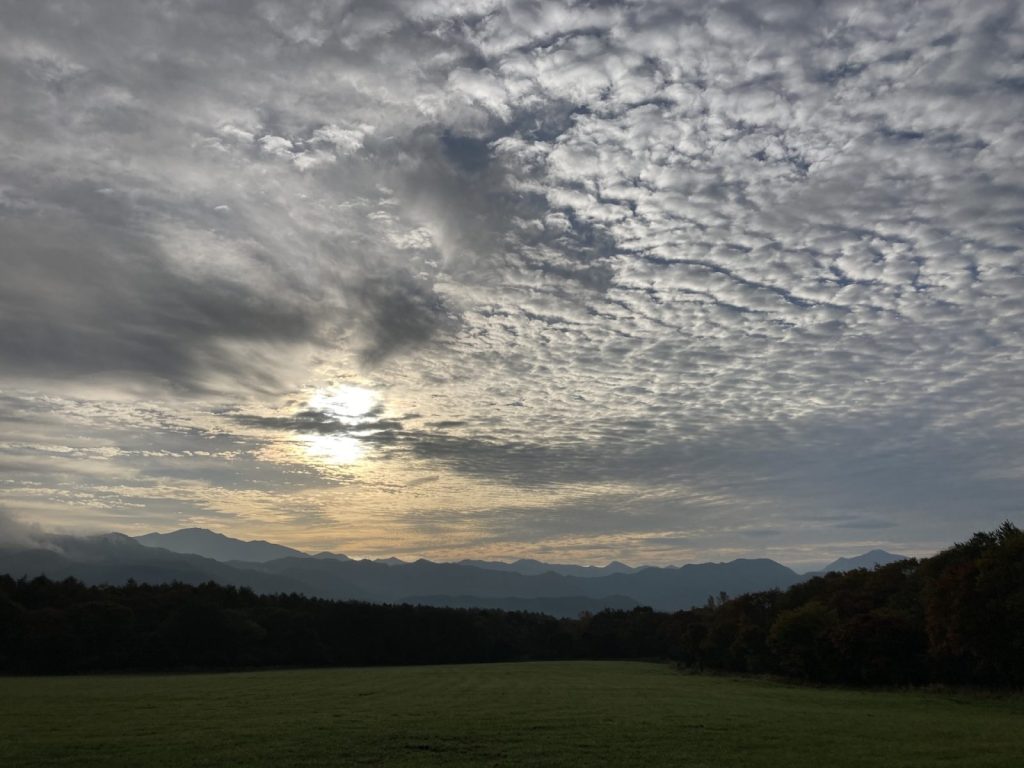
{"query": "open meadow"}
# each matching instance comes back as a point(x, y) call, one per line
point(564, 713)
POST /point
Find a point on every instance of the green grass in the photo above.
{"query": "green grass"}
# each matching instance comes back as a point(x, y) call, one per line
point(577, 713)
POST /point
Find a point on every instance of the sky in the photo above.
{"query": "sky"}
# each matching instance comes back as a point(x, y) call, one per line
point(660, 282)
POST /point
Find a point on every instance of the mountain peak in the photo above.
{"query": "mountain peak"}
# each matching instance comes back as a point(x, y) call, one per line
point(217, 546)
point(868, 560)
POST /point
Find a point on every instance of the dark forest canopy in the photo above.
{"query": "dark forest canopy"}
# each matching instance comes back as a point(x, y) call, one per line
point(957, 617)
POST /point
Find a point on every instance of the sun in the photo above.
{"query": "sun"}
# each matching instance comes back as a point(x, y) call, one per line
point(332, 449)
point(348, 405)
point(345, 403)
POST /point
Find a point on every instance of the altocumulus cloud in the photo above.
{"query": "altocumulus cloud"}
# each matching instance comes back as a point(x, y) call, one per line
point(649, 279)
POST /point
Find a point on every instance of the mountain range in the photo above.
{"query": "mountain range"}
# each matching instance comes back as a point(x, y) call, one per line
point(196, 555)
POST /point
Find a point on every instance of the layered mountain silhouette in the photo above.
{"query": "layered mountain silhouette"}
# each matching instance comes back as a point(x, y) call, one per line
point(197, 555)
point(114, 559)
point(534, 567)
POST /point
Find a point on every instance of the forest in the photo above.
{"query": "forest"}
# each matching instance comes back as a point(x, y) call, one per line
point(956, 618)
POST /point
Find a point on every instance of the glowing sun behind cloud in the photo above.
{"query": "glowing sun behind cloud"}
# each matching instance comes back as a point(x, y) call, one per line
point(333, 449)
point(345, 403)
point(349, 405)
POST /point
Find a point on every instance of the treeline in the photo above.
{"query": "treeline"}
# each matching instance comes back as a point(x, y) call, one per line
point(66, 627)
point(957, 618)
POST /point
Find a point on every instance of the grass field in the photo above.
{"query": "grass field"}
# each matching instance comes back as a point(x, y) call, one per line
point(576, 713)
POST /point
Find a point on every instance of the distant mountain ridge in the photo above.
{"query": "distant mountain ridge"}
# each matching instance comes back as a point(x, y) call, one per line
point(568, 607)
point(114, 559)
point(868, 560)
point(561, 590)
point(531, 567)
point(217, 546)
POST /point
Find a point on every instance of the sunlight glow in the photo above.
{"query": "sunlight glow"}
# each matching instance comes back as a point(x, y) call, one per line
point(333, 449)
point(349, 405)
point(345, 402)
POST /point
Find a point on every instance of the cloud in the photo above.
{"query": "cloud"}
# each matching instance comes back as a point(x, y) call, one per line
point(398, 312)
point(317, 422)
point(705, 259)
point(80, 298)
point(15, 534)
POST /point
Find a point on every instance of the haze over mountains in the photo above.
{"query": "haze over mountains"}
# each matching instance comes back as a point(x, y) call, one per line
point(196, 555)
point(531, 567)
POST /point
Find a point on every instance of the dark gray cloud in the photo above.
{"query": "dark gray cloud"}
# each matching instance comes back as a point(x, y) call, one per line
point(661, 263)
point(398, 313)
point(318, 422)
point(82, 298)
